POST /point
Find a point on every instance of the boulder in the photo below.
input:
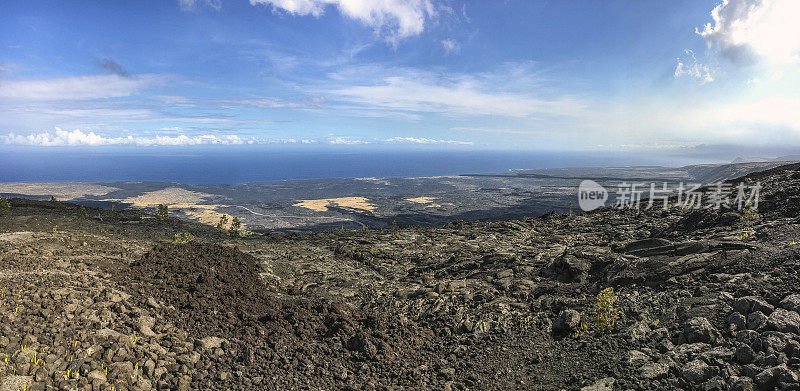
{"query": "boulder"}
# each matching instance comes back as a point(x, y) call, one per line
point(700, 330)
point(647, 247)
point(691, 247)
point(568, 320)
point(737, 321)
point(568, 268)
point(210, 342)
point(361, 343)
point(791, 303)
point(697, 371)
point(636, 357)
point(784, 321)
point(741, 384)
point(604, 384)
point(746, 305)
point(654, 371)
point(786, 375)
point(638, 332)
point(756, 320)
point(97, 377)
point(745, 354)
point(766, 379)
point(145, 324)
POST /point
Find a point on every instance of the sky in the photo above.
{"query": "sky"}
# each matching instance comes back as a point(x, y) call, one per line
point(516, 74)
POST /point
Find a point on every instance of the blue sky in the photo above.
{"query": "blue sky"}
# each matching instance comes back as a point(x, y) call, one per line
point(481, 74)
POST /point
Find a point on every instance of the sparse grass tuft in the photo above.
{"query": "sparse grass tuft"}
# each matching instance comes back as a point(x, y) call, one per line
point(182, 238)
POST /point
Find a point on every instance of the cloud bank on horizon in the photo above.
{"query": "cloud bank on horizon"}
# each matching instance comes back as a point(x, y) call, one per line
point(401, 72)
point(60, 138)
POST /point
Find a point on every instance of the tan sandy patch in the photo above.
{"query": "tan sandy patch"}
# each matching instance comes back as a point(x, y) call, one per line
point(21, 236)
point(63, 191)
point(421, 200)
point(206, 214)
point(187, 202)
point(427, 201)
point(321, 205)
point(169, 196)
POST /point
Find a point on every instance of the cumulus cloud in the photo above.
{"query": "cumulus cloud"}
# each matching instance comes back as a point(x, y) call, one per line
point(450, 46)
point(394, 19)
point(425, 141)
point(690, 67)
point(79, 138)
point(75, 88)
point(746, 31)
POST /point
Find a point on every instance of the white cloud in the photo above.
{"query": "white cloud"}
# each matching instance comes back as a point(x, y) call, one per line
point(264, 103)
point(9, 67)
point(688, 66)
point(450, 46)
point(75, 88)
point(79, 138)
point(755, 115)
point(426, 141)
point(498, 130)
point(271, 103)
point(464, 96)
point(394, 19)
point(191, 5)
point(346, 141)
point(745, 120)
point(747, 31)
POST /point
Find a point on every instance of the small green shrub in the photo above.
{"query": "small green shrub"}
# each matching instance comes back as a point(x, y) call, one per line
point(5, 206)
point(606, 314)
point(236, 225)
point(223, 221)
point(183, 238)
point(53, 199)
point(749, 216)
point(162, 212)
point(81, 212)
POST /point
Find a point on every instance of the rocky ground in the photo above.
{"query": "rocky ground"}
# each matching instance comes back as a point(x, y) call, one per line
point(611, 299)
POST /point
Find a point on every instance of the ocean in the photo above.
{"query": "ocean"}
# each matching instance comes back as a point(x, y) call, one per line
point(230, 165)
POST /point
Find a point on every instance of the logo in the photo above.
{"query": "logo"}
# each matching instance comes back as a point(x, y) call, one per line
point(591, 195)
